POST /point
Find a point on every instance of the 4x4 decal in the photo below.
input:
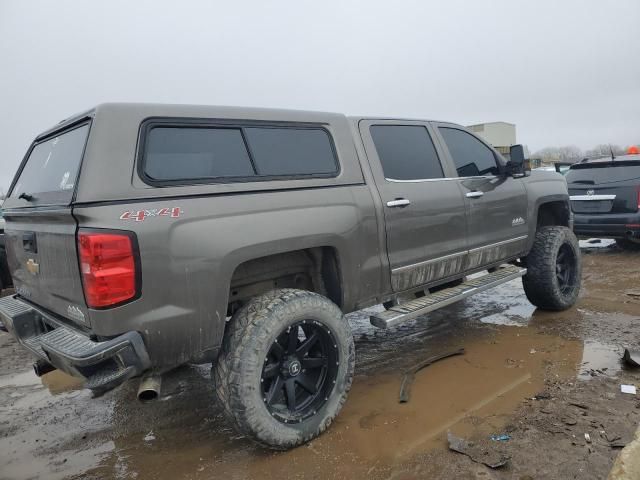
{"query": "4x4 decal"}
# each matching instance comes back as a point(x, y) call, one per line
point(141, 215)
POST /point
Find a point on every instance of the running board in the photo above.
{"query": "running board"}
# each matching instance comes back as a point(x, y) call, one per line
point(407, 311)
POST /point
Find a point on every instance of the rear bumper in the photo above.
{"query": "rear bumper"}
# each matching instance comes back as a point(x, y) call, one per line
point(607, 226)
point(103, 364)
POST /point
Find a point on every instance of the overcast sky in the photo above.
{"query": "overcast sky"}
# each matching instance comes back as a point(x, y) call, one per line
point(566, 72)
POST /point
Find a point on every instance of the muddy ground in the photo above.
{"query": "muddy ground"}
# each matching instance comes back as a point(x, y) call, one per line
point(544, 379)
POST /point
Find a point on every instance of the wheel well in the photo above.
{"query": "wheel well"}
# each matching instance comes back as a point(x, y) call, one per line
point(554, 213)
point(313, 269)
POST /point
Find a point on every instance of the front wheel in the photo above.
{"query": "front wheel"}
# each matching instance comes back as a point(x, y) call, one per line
point(286, 367)
point(554, 269)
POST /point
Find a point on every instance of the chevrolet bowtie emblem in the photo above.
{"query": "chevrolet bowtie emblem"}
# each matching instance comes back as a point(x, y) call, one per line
point(33, 267)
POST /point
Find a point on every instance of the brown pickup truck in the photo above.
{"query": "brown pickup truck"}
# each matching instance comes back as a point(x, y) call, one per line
point(141, 237)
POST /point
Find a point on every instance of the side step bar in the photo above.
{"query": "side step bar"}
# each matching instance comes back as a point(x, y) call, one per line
point(410, 310)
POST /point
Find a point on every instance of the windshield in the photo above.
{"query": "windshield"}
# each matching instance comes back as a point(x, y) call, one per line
point(49, 175)
point(607, 173)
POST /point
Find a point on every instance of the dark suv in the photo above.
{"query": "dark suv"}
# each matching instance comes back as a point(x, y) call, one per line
point(605, 199)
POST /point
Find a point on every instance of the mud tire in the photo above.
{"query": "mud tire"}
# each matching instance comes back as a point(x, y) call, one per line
point(629, 245)
point(541, 283)
point(248, 337)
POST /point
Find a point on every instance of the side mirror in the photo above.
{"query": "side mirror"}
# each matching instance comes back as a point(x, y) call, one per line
point(517, 165)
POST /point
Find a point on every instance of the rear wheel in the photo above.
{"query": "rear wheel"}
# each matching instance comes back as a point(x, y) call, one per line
point(554, 269)
point(286, 367)
point(630, 244)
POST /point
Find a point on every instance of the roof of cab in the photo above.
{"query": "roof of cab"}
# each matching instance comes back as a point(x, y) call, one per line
point(194, 111)
point(213, 111)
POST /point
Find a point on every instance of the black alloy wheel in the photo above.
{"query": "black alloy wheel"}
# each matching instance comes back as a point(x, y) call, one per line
point(299, 371)
point(566, 268)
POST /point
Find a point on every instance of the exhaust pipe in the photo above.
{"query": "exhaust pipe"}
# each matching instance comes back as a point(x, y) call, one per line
point(41, 368)
point(149, 388)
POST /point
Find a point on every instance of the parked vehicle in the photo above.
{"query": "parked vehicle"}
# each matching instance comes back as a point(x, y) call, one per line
point(605, 199)
point(562, 167)
point(165, 234)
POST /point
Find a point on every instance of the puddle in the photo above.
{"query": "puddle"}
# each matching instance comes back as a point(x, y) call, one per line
point(35, 467)
point(469, 394)
point(58, 382)
point(185, 436)
point(25, 379)
point(512, 305)
point(599, 359)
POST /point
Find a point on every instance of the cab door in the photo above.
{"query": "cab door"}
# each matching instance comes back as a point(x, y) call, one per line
point(496, 203)
point(424, 211)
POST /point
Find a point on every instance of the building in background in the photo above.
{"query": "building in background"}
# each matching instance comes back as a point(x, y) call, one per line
point(501, 135)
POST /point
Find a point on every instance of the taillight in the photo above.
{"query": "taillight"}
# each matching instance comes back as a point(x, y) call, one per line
point(108, 267)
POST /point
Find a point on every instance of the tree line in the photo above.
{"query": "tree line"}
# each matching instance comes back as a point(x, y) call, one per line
point(571, 153)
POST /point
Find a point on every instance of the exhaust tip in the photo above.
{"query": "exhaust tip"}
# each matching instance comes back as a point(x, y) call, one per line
point(147, 395)
point(149, 388)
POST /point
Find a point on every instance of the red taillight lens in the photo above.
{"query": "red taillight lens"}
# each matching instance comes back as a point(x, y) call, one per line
point(108, 268)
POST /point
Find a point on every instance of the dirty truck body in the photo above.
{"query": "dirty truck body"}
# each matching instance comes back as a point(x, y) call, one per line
point(142, 237)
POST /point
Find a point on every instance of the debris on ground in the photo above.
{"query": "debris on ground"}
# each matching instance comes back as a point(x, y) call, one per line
point(410, 375)
point(628, 389)
point(542, 396)
point(478, 453)
point(587, 438)
point(633, 293)
point(501, 438)
point(632, 357)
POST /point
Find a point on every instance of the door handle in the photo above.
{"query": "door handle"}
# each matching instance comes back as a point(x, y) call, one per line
point(398, 202)
point(474, 194)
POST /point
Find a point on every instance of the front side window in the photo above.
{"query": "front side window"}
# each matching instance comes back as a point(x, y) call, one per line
point(471, 157)
point(201, 153)
point(406, 152)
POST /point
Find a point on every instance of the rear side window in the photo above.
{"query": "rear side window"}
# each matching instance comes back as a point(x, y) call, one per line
point(604, 173)
point(191, 153)
point(285, 151)
point(201, 154)
point(471, 156)
point(406, 152)
point(51, 170)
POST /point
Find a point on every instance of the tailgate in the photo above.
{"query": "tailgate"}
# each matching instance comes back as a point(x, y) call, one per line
point(41, 252)
point(603, 199)
point(605, 187)
point(40, 231)
point(591, 200)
